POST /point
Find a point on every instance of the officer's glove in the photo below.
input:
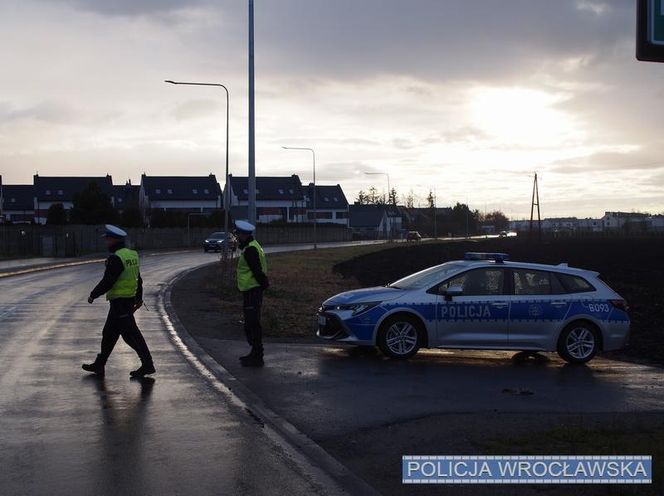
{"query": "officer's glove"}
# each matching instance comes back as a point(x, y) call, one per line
point(137, 305)
point(265, 284)
point(90, 299)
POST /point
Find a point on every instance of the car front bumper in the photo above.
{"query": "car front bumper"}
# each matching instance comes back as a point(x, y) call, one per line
point(331, 326)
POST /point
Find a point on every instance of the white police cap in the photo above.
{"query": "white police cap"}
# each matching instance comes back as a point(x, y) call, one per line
point(244, 226)
point(114, 232)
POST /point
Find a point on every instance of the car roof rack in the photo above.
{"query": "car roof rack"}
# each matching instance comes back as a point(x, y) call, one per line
point(497, 257)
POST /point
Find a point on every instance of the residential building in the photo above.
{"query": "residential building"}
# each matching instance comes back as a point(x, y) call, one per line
point(126, 196)
point(331, 205)
point(278, 198)
point(589, 225)
point(49, 190)
point(17, 203)
point(624, 220)
point(368, 221)
point(184, 194)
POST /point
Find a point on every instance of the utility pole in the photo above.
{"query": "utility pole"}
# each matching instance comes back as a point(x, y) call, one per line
point(251, 189)
point(435, 216)
point(535, 201)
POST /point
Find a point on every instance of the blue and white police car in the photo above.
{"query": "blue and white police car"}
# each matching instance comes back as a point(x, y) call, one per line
point(483, 302)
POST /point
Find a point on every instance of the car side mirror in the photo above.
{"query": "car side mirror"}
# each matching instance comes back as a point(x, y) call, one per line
point(451, 292)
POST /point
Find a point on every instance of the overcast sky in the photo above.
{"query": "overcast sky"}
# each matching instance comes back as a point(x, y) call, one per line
point(467, 98)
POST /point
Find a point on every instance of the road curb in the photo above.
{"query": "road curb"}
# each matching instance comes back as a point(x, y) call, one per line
point(328, 473)
point(40, 268)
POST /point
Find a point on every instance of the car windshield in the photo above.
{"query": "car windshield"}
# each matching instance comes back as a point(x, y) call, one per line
point(217, 235)
point(427, 277)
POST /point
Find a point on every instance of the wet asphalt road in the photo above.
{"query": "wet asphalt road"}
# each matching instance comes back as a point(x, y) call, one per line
point(64, 432)
point(330, 391)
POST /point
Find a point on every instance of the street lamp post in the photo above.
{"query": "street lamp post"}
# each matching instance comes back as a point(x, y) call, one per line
point(226, 196)
point(389, 219)
point(313, 153)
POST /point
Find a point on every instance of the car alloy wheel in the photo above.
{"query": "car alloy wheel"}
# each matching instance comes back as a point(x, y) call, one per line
point(400, 338)
point(578, 343)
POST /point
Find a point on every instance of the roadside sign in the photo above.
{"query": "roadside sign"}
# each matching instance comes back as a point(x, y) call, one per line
point(650, 30)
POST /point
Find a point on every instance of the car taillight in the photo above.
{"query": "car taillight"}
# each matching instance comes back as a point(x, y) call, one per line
point(620, 305)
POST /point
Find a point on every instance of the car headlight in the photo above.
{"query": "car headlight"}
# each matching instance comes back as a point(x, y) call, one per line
point(356, 308)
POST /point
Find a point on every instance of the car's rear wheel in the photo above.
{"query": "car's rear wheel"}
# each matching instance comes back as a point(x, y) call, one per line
point(579, 342)
point(400, 336)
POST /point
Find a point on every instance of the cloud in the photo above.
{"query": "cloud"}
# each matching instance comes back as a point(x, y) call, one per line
point(633, 160)
point(46, 111)
point(194, 109)
point(130, 7)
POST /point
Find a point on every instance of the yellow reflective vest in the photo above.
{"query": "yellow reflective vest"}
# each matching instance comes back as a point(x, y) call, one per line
point(245, 277)
point(127, 284)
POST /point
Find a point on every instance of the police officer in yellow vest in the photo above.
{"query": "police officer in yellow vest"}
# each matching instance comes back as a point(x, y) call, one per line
point(123, 287)
point(251, 281)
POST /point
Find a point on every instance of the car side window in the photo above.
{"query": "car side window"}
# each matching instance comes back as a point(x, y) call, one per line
point(536, 282)
point(575, 284)
point(479, 282)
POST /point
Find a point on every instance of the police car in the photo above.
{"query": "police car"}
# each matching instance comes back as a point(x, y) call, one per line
point(483, 302)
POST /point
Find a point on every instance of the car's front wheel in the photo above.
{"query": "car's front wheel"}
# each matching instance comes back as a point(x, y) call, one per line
point(579, 342)
point(400, 336)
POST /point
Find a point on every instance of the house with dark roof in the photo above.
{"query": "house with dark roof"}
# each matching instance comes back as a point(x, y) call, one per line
point(277, 198)
point(49, 190)
point(187, 194)
point(126, 196)
point(375, 221)
point(331, 205)
point(17, 203)
point(368, 221)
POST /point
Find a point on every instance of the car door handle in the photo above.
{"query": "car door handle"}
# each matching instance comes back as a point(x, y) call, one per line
point(499, 304)
point(559, 303)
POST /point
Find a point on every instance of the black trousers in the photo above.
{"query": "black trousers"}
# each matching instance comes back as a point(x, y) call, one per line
point(121, 322)
point(251, 307)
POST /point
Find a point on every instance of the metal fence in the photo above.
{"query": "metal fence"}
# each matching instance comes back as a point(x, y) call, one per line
point(72, 240)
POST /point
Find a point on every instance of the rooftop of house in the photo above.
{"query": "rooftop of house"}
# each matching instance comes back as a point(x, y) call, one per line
point(269, 188)
point(366, 215)
point(126, 195)
point(179, 188)
point(327, 197)
point(63, 188)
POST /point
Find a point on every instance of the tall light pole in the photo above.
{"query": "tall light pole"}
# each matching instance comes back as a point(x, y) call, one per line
point(226, 196)
point(251, 180)
point(313, 153)
point(389, 190)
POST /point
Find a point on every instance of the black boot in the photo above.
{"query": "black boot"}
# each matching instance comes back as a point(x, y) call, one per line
point(247, 357)
point(253, 359)
point(145, 369)
point(96, 367)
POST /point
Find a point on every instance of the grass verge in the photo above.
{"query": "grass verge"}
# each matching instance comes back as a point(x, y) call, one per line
point(299, 283)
